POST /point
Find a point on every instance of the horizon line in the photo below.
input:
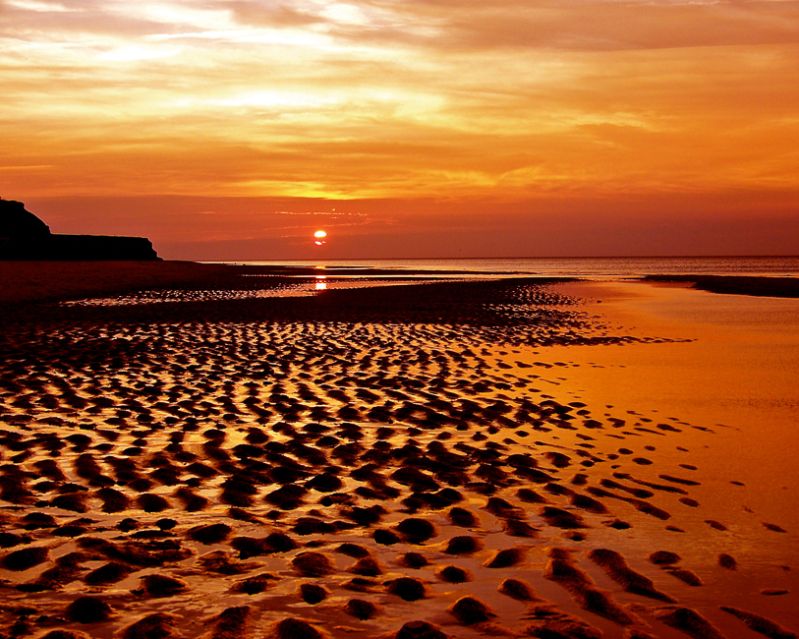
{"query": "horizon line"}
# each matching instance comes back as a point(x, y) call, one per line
point(515, 257)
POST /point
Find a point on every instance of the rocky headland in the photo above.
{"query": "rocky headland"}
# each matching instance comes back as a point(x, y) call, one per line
point(23, 236)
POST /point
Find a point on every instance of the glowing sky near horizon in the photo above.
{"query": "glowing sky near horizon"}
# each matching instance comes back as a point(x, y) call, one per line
point(422, 116)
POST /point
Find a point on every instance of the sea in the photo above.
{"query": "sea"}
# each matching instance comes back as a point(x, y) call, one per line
point(599, 268)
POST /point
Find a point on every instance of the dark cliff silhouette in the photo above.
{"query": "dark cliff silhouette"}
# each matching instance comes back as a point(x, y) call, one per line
point(23, 236)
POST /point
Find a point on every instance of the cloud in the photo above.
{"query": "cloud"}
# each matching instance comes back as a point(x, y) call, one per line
point(271, 14)
point(590, 25)
point(390, 101)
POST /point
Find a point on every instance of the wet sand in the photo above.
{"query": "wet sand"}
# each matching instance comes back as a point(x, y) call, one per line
point(36, 281)
point(733, 382)
point(408, 461)
point(32, 281)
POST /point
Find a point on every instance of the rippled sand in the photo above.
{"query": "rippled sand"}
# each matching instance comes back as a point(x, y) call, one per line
point(403, 462)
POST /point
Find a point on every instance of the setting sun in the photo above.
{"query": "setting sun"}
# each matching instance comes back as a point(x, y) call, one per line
point(320, 237)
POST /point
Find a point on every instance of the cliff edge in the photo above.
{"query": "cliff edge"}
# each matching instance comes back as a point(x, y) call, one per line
point(23, 236)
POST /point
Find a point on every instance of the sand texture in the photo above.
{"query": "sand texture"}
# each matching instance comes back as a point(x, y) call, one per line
point(208, 458)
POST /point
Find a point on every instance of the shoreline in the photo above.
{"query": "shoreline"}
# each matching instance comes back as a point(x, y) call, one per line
point(26, 282)
point(48, 281)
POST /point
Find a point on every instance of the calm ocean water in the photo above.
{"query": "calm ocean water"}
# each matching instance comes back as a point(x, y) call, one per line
point(595, 268)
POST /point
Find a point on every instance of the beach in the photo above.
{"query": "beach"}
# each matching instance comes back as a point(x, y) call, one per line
point(211, 451)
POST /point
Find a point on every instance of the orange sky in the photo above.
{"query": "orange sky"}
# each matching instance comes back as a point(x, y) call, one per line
point(234, 128)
